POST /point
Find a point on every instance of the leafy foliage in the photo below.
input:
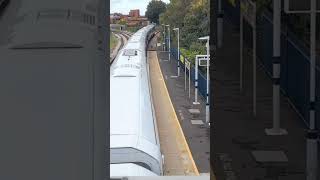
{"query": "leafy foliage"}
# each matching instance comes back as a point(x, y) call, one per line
point(133, 29)
point(262, 5)
point(192, 18)
point(113, 41)
point(154, 9)
point(122, 22)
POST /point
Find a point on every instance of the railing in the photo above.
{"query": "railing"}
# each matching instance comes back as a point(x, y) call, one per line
point(202, 80)
point(295, 60)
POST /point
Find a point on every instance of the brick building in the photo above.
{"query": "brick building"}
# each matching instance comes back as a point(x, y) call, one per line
point(132, 20)
point(134, 13)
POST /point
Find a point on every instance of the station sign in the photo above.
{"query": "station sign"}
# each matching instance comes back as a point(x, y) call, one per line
point(204, 61)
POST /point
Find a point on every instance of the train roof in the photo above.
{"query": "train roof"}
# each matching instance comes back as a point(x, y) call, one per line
point(128, 93)
point(137, 40)
point(132, 122)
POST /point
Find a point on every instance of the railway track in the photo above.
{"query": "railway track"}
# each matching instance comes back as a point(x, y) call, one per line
point(124, 37)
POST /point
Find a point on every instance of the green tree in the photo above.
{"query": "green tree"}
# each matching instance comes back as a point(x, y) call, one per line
point(122, 22)
point(192, 18)
point(154, 9)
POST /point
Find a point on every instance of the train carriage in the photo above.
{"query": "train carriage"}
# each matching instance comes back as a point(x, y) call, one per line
point(133, 128)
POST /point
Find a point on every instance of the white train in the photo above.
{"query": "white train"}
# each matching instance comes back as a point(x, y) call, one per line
point(134, 140)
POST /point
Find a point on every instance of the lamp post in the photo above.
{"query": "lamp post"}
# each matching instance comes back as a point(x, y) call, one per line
point(178, 31)
point(220, 24)
point(169, 41)
point(276, 65)
point(207, 38)
point(164, 36)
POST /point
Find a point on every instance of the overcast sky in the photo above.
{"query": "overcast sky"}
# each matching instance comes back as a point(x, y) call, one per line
point(124, 6)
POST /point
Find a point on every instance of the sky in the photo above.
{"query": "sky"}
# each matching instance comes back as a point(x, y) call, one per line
point(124, 6)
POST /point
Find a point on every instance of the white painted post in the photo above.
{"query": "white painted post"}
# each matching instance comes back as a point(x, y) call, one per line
point(196, 77)
point(185, 75)
point(188, 66)
point(207, 38)
point(178, 52)
point(220, 25)
point(164, 37)
point(312, 144)
point(254, 63)
point(276, 130)
point(196, 82)
point(208, 87)
point(189, 77)
point(178, 63)
point(241, 51)
point(169, 44)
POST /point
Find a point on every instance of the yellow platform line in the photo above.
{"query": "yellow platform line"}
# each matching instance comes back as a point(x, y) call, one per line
point(177, 121)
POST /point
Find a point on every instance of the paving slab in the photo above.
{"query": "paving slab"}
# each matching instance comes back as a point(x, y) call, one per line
point(194, 111)
point(269, 156)
point(198, 122)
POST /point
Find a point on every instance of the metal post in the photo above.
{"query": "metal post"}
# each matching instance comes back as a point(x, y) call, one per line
point(178, 52)
point(196, 77)
point(196, 82)
point(207, 38)
point(163, 43)
point(313, 63)
point(189, 77)
point(164, 37)
point(312, 135)
point(185, 75)
point(254, 65)
point(276, 130)
point(208, 87)
point(169, 44)
point(220, 25)
point(241, 51)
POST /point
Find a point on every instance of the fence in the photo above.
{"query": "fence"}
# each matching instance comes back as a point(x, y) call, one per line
point(202, 80)
point(295, 61)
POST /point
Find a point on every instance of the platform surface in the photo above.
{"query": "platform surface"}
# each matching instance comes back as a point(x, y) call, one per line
point(178, 158)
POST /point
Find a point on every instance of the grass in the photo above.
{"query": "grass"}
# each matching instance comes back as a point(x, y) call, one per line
point(113, 41)
point(133, 29)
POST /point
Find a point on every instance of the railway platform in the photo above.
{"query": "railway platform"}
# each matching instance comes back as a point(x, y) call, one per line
point(178, 158)
point(185, 145)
